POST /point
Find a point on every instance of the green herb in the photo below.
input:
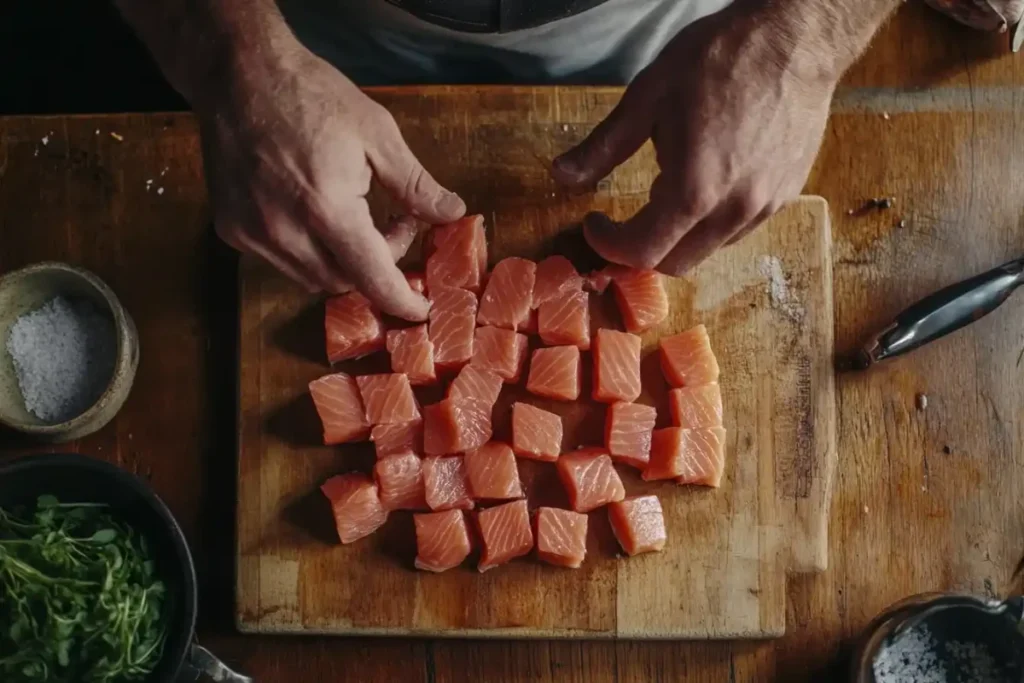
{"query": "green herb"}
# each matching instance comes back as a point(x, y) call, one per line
point(79, 599)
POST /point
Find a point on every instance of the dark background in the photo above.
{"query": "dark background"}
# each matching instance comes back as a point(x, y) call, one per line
point(75, 56)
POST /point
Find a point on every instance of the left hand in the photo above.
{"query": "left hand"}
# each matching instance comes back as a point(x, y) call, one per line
point(736, 106)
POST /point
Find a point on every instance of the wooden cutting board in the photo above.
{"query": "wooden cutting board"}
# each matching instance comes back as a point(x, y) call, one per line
point(767, 304)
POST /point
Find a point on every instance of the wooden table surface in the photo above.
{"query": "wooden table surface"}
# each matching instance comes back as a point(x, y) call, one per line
point(924, 499)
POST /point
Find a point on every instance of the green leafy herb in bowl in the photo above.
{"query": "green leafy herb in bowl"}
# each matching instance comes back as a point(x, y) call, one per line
point(80, 599)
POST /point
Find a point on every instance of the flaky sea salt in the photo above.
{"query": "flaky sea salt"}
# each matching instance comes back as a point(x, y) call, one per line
point(63, 354)
point(917, 656)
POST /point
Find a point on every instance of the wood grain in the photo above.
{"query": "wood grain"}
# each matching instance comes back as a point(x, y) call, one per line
point(956, 172)
point(730, 548)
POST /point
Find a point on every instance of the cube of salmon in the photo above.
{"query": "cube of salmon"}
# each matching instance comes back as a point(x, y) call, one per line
point(400, 481)
point(340, 408)
point(561, 537)
point(616, 366)
point(444, 481)
point(442, 540)
point(687, 358)
point(565, 320)
point(398, 437)
point(456, 255)
point(357, 509)
point(506, 300)
point(388, 398)
point(628, 428)
point(503, 352)
point(412, 354)
point(696, 407)
point(638, 524)
point(492, 473)
point(555, 276)
point(505, 534)
point(555, 373)
point(531, 326)
point(477, 383)
point(536, 433)
point(456, 425)
point(690, 456)
point(641, 297)
point(451, 326)
point(352, 326)
point(590, 479)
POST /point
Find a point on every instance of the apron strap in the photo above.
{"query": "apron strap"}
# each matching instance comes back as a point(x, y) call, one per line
point(493, 16)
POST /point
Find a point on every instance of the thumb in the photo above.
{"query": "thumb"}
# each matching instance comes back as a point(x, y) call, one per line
point(615, 139)
point(404, 177)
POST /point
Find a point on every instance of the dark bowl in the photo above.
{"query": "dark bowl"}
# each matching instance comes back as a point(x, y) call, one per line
point(79, 479)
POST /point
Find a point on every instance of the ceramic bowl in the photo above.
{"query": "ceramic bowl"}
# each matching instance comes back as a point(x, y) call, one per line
point(25, 290)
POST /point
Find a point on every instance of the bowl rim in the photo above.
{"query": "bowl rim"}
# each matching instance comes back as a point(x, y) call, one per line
point(122, 477)
point(121, 323)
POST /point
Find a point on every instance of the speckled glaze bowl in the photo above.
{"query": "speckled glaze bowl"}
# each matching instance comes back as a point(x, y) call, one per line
point(25, 290)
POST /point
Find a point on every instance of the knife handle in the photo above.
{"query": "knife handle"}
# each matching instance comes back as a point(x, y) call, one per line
point(943, 312)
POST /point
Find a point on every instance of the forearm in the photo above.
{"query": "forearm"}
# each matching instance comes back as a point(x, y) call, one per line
point(196, 42)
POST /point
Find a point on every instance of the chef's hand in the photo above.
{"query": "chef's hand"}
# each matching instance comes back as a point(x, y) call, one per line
point(290, 147)
point(736, 106)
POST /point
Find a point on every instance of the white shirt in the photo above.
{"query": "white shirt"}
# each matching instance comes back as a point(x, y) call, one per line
point(376, 43)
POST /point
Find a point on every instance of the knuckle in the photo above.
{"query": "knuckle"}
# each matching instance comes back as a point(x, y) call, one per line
point(697, 201)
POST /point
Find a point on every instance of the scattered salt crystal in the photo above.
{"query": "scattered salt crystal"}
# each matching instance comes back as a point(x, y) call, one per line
point(45, 140)
point(922, 402)
point(885, 115)
point(918, 656)
point(36, 153)
point(865, 509)
point(565, 126)
point(63, 355)
point(116, 136)
point(159, 190)
point(166, 169)
point(97, 131)
point(782, 298)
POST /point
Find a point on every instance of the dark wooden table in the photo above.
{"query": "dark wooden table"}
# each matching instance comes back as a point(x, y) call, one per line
point(924, 500)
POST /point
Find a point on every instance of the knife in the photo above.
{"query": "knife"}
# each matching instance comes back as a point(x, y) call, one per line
point(943, 312)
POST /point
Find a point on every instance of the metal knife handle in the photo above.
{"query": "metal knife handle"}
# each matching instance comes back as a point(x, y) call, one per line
point(943, 312)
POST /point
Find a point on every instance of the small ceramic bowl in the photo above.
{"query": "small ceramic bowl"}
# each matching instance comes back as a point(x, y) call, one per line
point(27, 289)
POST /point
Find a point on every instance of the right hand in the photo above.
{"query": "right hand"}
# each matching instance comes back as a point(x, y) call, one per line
point(290, 146)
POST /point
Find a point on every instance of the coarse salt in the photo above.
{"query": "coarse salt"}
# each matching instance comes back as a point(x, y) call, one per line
point(917, 656)
point(63, 355)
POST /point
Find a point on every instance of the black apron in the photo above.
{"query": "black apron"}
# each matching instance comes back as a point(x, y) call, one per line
point(493, 16)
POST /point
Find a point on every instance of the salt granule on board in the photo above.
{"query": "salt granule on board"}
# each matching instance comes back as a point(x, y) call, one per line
point(917, 656)
point(63, 355)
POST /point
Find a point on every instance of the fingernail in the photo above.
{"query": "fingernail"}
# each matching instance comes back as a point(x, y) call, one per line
point(566, 166)
point(451, 204)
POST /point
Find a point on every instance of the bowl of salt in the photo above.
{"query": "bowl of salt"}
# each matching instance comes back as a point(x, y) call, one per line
point(68, 352)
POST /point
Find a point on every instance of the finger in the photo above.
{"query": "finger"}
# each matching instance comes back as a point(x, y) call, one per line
point(402, 175)
point(399, 234)
point(616, 138)
point(645, 239)
point(241, 241)
point(707, 236)
point(363, 254)
point(753, 225)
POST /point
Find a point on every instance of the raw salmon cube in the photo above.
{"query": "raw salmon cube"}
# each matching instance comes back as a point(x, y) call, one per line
point(353, 327)
point(555, 373)
point(628, 428)
point(445, 482)
point(442, 540)
point(555, 276)
point(565, 320)
point(690, 456)
point(398, 437)
point(491, 472)
point(400, 479)
point(561, 537)
point(412, 354)
point(457, 255)
point(696, 407)
point(357, 509)
point(687, 359)
point(452, 323)
point(638, 524)
point(590, 480)
point(340, 407)
point(477, 383)
point(536, 433)
point(641, 297)
point(507, 297)
point(505, 533)
point(598, 281)
point(531, 326)
point(456, 425)
point(417, 282)
point(388, 398)
point(500, 351)
point(616, 366)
